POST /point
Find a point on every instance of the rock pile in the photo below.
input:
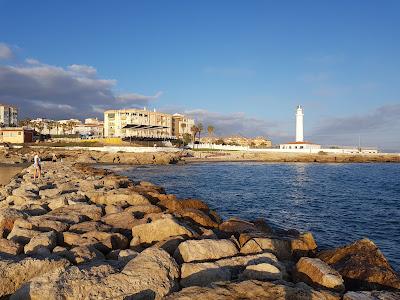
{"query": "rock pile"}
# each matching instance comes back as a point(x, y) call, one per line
point(84, 233)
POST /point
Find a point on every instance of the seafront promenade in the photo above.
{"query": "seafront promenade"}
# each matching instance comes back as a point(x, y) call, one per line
point(86, 233)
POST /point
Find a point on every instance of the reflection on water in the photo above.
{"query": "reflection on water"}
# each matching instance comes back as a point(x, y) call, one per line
point(339, 203)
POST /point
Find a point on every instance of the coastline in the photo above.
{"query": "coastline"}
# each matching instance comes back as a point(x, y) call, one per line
point(24, 155)
point(132, 238)
point(8, 171)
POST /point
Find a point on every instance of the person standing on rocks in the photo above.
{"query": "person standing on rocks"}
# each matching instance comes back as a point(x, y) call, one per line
point(37, 166)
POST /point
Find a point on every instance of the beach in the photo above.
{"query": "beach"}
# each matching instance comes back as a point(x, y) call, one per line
point(7, 171)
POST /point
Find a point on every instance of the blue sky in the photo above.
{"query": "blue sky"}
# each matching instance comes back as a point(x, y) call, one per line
point(241, 65)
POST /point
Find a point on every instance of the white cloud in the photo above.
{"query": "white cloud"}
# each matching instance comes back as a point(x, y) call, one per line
point(74, 91)
point(5, 51)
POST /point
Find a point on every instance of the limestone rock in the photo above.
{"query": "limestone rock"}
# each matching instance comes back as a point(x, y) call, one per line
point(280, 247)
point(43, 240)
point(203, 274)
point(315, 272)
point(199, 217)
point(118, 197)
point(112, 209)
point(207, 249)
point(237, 226)
point(10, 247)
point(362, 266)
point(170, 244)
point(87, 211)
point(83, 254)
point(90, 226)
point(262, 271)
point(151, 275)
point(41, 223)
point(22, 235)
point(7, 219)
point(374, 295)
point(122, 255)
point(159, 230)
point(253, 289)
point(15, 272)
point(145, 209)
point(122, 221)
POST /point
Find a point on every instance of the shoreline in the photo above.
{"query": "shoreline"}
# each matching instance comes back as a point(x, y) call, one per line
point(25, 155)
point(84, 232)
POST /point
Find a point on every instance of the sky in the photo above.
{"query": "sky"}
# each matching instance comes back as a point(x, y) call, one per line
point(241, 66)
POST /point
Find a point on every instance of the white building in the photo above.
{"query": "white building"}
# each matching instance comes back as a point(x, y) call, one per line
point(8, 115)
point(299, 144)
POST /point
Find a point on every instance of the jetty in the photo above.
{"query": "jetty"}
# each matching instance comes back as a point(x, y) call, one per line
point(81, 232)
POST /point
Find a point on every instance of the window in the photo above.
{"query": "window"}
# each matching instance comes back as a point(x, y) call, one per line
point(19, 132)
point(301, 147)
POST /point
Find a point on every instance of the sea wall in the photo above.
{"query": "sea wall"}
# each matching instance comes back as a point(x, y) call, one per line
point(85, 233)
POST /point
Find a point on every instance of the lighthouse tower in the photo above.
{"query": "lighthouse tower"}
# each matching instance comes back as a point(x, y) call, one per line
point(299, 124)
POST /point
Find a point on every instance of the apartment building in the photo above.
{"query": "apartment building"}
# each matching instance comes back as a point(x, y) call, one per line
point(181, 125)
point(8, 115)
point(142, 123)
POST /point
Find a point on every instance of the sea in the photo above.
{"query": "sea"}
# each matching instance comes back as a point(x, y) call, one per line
point(338, 203)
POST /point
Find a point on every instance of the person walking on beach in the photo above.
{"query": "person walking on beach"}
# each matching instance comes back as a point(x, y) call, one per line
point(37, 166)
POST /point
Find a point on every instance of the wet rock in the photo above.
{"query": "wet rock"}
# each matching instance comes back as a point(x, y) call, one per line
point(151, 275)
point(15, 272)
point(43, 240)
point(10, 247)
point(237, 226)
point(253, 289)
point(317, 273)
point(207, 249)
point(175, 205)
point(362, 266)
point(159, 230)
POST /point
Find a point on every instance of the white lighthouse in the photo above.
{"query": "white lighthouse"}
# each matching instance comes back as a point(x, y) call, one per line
point(299, 124)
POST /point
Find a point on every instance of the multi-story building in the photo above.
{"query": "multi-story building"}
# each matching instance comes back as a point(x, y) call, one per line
point(92, 127)
point(8, 115)
point(181, 125)
point(142, 123)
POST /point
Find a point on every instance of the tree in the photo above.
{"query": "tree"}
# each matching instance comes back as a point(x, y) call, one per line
point(70, 126)
point(24, 122)
point(51, 125)
point(40, 126)
point(187, 138)
point(210, 130)
point(64, 127)
point(200, 129)
point(194, 129)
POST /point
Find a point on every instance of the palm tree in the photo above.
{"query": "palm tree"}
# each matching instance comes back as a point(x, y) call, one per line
point(210, 130)
point(200, 129)
point(40, 126)
point(64, 127)
point(194, 129)
point(51, 125)
point(24, 122)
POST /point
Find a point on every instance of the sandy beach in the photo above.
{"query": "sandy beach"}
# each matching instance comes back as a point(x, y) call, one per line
point(8, 171)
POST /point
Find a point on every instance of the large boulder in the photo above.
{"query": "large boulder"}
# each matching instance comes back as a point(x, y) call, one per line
point(90, 212)
point(362, 266)
point(42, 223)
point(22, 235)
point(90, 226)
point(159, 230)
point(315, 272)
point(7, 219)
point(117, 197)
point(150, 275)
point(46, 240)
point(203, 250)
point(204, 273)
point(15, 272)
point(10, 247)
point(199, 217)
point(253, 289)
point(262, 271)
point(122, 221)
point(373, 295)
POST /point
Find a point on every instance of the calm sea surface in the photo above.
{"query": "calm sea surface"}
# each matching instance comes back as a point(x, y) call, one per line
point(339, 203)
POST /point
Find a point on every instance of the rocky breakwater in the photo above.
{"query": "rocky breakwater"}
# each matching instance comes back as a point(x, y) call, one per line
point(26, 154)
point(84, 233)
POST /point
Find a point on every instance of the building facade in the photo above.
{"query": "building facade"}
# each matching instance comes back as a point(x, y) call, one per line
point(181, 125)
point(8, 115)
point(16, 135)
point(142, 123)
